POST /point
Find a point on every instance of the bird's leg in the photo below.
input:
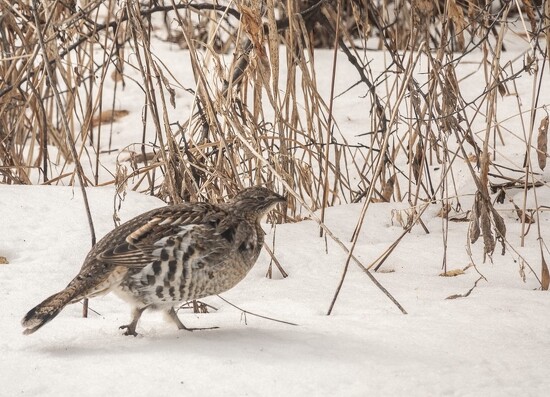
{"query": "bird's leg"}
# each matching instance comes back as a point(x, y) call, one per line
point(131, 328)
point(174, 317)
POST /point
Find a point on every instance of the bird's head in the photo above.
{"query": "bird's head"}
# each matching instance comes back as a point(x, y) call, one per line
point(256, 200)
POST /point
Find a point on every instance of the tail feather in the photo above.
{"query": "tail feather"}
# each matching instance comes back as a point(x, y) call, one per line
point(94, 280)
point(46, 311)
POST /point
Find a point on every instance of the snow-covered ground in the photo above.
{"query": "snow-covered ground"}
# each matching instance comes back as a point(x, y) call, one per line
point(495, 342)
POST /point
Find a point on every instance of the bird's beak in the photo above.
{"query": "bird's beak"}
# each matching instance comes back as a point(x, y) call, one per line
point(279, 198)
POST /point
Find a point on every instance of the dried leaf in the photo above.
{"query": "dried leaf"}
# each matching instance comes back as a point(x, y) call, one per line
point(423, 11)
point(523, 216)
point(542, 143)
point(415, 98)
point(501, 89)
point(475, 230)
point(251, 21)
point(450, 98)
point(387, 191)
point(500, 228)
point(404, 217)
point(140, 157)
point(501, 196)
point(117, 76)
point(360, 20)
point(109, 116)
point(273, 41)
point(417, 161)
point(452, 273)
point(472, 158)
point(457, 16)
point(529, 10)
point(444, 211)
point(522, 270)
point(485, 162)
point(545, 275)
point(482, 214)
point(168, 88)
point(460, 216)
point(485, 222)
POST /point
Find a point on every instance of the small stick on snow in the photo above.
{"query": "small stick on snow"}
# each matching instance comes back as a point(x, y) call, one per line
point(254, 314)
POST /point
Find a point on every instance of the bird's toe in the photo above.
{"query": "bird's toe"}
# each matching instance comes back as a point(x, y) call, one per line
point(130, 331)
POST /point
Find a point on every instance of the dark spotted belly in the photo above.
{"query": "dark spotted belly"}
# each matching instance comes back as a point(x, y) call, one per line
point(174, 281)
point(193, 264)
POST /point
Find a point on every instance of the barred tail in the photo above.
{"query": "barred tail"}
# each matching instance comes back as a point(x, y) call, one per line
point(46, 311)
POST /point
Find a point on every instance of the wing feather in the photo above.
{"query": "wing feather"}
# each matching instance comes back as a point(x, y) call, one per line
point(141, 236)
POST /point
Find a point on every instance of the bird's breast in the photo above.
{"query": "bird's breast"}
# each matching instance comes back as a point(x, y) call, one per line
point(198, 261)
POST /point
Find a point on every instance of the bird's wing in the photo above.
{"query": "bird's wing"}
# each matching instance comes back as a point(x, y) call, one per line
point(137, 241)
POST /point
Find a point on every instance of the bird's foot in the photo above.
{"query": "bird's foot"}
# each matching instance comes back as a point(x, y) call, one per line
point(174, 317)
point(130, 330)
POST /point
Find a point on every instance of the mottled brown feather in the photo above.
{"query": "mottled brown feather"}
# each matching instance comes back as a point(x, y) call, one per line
point(168, 255)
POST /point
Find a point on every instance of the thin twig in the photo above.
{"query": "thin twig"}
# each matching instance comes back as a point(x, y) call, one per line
point(465, 295)
point(256, 315)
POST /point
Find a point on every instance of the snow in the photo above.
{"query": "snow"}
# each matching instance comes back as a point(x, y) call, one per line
point(495, 342)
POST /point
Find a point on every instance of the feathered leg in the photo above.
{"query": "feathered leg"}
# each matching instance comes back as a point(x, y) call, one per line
point(131, 328)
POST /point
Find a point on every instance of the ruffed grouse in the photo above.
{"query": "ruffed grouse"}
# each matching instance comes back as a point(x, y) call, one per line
point(169, 255)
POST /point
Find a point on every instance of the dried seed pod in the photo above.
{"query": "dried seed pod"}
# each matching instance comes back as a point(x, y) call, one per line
point(545, 275)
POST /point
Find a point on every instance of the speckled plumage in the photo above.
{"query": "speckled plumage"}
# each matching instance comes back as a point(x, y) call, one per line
point(167, 256)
